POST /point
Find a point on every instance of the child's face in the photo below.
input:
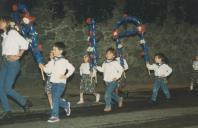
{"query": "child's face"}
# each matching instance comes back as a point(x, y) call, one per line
point(51, 54)
point(3, 25)
point(196, 58)
point(86, 59)
point(110, 55)
point(158, 60)
point(56, 52)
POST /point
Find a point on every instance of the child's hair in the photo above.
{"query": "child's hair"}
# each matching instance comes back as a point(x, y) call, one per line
point(8, 20)
point(113, 51)
point(162, 57)
point(60, 46)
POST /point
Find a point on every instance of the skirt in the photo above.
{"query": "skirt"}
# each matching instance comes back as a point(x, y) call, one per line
point(87, 84)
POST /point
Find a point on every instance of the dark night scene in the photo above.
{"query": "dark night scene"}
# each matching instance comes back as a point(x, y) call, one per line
point(98, 64)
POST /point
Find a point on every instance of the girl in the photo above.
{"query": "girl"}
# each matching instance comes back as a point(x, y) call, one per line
point(161, 72)
point(13, 47)
point(112, 72)
point(57, 68)
point(87, 84)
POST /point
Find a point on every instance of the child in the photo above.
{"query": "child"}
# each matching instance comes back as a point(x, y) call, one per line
point(48, 86)
point(194, 80)
point(161, 72)
point(57, 67)
point(112, 72)
point(87, 84)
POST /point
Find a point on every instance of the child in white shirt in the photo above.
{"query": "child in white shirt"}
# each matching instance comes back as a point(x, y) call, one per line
point(57, 67)
point(161, 72)
point(112, 72)
point(194, 79)
point(87, 83)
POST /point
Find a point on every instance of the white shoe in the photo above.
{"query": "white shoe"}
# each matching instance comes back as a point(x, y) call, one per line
point(120, 102)
point(191, 87)
point(68, 109)
point(97, 98)
point(53, 119)
point(80, 102)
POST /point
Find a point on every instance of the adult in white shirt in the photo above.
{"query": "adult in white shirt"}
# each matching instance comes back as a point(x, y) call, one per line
point(13, 47)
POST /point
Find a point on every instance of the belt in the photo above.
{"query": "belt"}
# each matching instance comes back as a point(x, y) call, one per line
point(159, 77)
point(9, 57)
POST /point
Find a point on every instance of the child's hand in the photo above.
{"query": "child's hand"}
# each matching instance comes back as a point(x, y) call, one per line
point(41, 66)
point(115, 79)
point(63, 77)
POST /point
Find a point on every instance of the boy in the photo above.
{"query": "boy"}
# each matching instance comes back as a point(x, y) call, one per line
point(112, 71)
point(161, 72)
point(57, 67)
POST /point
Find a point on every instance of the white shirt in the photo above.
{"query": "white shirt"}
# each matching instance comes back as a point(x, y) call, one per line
point(126, 67)
point(13, 42)
point(111, 70)
point(162, 70)
point(85, 68)
point(195, 65)
point(57, 68)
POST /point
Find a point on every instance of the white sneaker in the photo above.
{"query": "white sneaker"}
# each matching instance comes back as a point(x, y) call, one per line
point(191, 87)
point(80, 102)
point(97, 98)
point(120, 102)
point(68, 109)
point(53, 119)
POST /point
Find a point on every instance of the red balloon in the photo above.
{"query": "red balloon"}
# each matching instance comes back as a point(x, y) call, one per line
point(115, 34)
point(88, 20)
point(141, 28)
point(40, 47)
point(125, 15)
point(14, 7)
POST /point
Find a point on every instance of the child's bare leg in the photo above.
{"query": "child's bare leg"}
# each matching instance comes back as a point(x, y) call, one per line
point(81, 99)
point(49, 96)
point(97, 97)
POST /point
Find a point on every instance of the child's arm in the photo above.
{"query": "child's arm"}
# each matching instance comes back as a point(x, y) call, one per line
point(126, 66)
point(100, 68)
point(81, 70)
point(168, 71)
point(46, 68)
point(150, 66)
point(70, 69)
point(120, 70)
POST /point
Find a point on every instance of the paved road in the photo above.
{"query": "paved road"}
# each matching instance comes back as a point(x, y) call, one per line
point(180, 112)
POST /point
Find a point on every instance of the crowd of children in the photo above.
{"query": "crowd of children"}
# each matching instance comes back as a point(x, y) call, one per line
point(59, 69)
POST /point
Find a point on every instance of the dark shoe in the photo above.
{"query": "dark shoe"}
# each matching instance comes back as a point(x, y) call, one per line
point(168, 100)
point(151, 102)
point(5, 115)
point(27, 105)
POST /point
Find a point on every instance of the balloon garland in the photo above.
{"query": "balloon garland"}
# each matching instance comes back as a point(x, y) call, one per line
point(24, 20)
point(91, 50)
point(139, 31)
point(91, 23)
point(17, 10)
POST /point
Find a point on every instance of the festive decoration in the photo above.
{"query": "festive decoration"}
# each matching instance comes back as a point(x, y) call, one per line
point(139, 31)
point(27, 29)
point(91, 23)
point(17, 11)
